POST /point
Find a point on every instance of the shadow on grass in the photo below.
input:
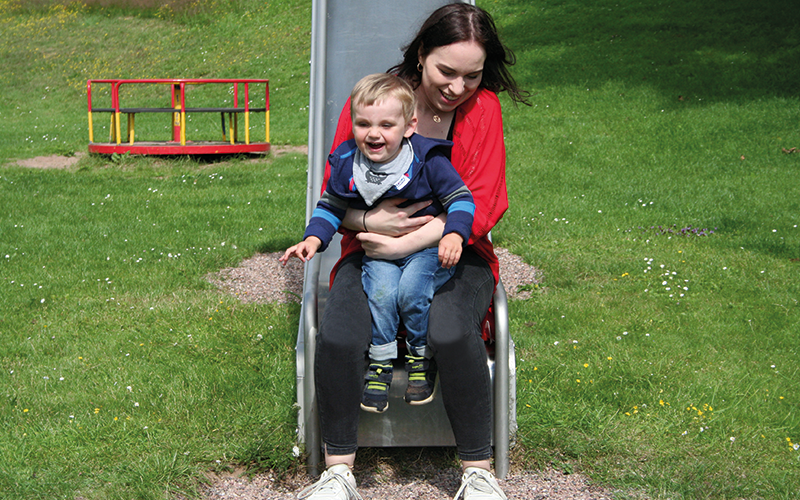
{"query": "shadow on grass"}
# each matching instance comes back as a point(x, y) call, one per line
point(688, 50)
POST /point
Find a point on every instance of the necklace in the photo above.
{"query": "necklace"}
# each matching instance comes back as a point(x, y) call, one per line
point(436, 118)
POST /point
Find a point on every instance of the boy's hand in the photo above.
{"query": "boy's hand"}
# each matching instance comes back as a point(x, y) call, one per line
point(304, 250)
point(450, 247)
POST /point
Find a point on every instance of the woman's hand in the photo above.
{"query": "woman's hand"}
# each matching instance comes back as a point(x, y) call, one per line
point(379, 246)
point(389, 219)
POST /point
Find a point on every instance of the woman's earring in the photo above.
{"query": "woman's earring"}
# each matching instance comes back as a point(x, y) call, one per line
point(419, 67)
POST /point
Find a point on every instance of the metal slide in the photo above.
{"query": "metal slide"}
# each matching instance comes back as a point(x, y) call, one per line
point(350, 39)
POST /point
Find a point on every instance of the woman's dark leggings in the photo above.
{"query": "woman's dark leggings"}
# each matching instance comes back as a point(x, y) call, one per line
point(454, 335)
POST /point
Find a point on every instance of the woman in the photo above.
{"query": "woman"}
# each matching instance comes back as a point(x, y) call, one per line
point(456, 65)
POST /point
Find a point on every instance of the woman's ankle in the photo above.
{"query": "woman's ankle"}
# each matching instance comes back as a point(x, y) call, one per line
point(348, 460)
point(480, 464)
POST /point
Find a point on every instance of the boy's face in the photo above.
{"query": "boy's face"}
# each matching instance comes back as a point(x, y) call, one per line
point(379, 129)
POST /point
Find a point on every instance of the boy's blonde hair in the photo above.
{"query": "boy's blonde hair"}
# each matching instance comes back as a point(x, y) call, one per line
point(380, 86)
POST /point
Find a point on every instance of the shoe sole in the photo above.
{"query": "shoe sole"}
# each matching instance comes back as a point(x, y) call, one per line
point(372, 409)
point(423, 401)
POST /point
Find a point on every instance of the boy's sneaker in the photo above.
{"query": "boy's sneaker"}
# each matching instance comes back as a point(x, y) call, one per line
point(421, 377)
point(376, 390)
point(336, 483)
point(479, 484)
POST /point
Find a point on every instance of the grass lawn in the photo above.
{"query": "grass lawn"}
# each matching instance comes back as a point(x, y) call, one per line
point(647, 180)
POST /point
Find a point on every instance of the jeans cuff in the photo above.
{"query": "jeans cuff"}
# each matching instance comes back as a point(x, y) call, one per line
point(383, 352)
point(475, 457)
point(339, 450)
point(423, 351)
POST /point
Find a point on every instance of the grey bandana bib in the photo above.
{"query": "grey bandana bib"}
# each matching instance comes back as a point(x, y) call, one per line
point(373, 180)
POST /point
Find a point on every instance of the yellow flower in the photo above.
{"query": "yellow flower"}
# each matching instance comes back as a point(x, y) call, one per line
point(96, 411)
point(586, 365)
point(25, 410)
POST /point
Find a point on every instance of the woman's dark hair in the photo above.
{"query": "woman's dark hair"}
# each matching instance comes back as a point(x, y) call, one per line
point(461, 22)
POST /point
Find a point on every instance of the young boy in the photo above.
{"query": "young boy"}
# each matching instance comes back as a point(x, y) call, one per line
point(386, 159)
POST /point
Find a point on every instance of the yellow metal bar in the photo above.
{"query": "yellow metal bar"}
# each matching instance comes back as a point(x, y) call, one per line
point(131, 119)
point(247, 127)
point(117, 133)
point(230, 127)
point(91, 130)
point(267, 119)
point(183, 127)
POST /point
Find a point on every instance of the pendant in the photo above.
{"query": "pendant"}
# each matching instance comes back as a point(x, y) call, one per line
point(437, 119)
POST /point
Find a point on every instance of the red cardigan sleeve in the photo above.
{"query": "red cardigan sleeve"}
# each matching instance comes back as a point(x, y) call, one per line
point(479, 155)
point(344, 132)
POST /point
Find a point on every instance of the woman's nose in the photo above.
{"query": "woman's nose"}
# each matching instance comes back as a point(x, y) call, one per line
point(457, 86)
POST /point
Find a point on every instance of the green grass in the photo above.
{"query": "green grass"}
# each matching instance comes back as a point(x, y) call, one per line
point(125, 373)
point(646, 117)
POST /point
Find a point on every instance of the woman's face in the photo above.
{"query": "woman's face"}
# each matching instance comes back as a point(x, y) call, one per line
point(451, 74)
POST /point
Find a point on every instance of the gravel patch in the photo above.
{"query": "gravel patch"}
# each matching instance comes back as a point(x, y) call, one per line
point(404, 478)
point(262, 278)
point(52, 161)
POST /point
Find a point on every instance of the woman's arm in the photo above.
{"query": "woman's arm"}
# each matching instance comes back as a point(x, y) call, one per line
point(379, 246)
point(387, 218)
point(479, 156)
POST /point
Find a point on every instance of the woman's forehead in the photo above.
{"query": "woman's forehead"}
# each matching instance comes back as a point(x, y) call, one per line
point(466, 56)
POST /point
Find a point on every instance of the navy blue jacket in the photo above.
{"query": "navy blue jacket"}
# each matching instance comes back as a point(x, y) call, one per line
point(431, 176)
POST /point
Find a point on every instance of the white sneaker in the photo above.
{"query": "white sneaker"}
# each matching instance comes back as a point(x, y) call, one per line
point(479, 484)
point(336, 483)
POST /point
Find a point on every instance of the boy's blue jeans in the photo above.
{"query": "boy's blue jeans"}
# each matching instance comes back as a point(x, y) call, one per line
point(402, 289)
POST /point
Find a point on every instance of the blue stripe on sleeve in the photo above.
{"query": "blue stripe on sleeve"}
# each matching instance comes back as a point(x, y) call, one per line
point(324, 214)
point(462, 206)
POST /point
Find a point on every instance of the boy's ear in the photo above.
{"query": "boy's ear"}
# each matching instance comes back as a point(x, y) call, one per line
point(411, 127)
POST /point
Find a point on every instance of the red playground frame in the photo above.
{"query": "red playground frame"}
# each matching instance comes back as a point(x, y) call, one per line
point(179, 145)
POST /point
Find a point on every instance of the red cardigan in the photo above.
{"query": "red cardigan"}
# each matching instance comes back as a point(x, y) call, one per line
point(479, 156)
